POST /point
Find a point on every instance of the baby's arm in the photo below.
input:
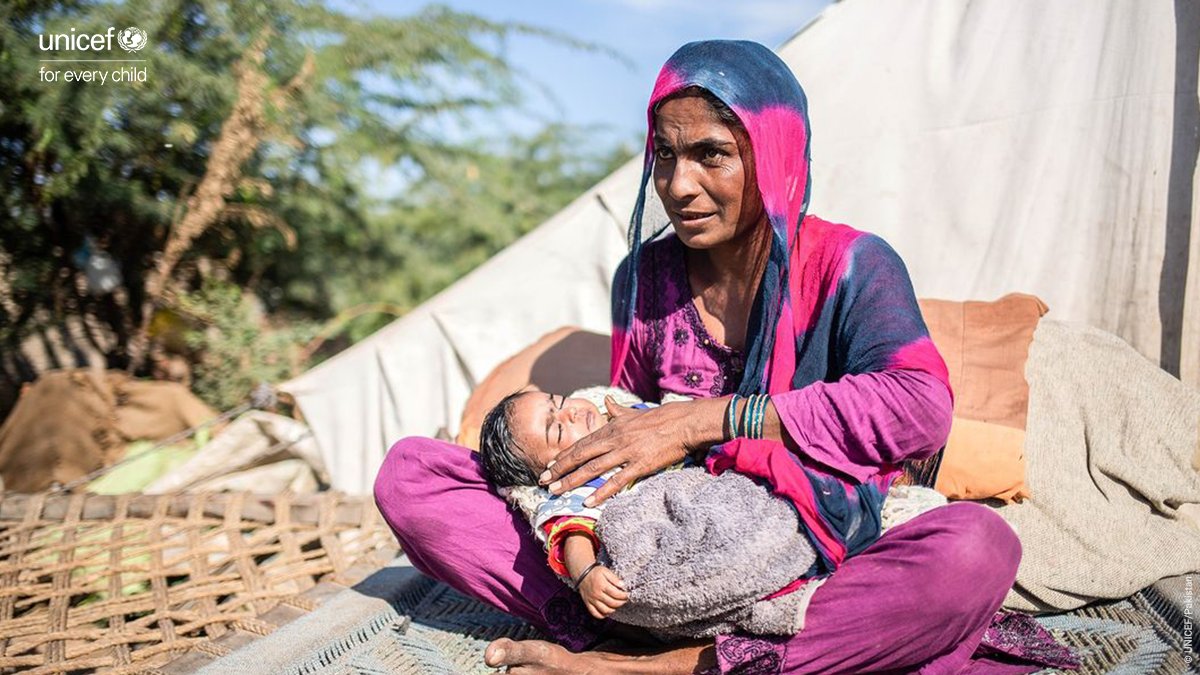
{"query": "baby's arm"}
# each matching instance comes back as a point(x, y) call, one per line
point(569, 530)
point(600, 588)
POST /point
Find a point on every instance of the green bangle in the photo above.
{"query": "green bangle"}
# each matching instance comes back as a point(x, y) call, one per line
point(748, 416)
point(731, 417)
point(755, 413)
point(751, 413)
point(760, 413)
point(746, 411)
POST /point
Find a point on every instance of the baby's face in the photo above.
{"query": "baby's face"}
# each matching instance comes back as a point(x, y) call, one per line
point(544, 425)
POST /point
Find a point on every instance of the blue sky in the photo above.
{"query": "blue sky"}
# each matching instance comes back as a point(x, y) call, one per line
point(595, 89)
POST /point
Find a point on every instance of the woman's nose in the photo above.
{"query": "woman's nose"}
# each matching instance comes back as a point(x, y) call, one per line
point(682, 186)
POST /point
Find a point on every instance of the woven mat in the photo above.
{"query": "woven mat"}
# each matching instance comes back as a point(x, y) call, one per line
point(128, 583)
point(428, 628)
point(396, 621)
point(438, 631)
point(1142, 634)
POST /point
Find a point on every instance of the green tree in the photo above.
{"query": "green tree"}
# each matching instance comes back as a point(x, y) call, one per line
point(119, 168)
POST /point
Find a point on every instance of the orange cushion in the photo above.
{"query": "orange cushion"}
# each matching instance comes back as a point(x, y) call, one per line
point(561, 361)
point(983, 461)
point(985, 345)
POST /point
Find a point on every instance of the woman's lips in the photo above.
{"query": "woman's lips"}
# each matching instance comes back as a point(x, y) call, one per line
point(693, 218)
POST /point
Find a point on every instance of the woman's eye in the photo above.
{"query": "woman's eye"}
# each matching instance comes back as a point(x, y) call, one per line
point(663, 153)
point(713, 155)
point(560, 433)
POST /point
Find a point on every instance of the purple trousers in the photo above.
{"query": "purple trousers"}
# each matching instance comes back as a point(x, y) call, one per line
point(918, 600)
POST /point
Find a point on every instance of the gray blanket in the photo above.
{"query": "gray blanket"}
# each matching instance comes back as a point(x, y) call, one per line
point(1110, 448)
point(697, 552)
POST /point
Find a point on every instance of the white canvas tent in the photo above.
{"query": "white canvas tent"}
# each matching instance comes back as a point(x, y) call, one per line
point(1044, 146)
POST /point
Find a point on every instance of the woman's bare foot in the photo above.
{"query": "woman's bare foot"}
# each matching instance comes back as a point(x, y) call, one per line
point(537, 657)
point(533, 656)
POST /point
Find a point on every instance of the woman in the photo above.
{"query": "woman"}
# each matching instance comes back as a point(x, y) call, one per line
point(751, 295)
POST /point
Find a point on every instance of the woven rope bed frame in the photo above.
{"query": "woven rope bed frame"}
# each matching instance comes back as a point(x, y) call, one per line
point(127, 583)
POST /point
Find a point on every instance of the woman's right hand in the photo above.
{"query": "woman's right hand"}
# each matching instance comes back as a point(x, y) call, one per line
point(640, 442)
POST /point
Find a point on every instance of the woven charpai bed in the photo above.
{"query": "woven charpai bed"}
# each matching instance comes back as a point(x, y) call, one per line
point(129, 583)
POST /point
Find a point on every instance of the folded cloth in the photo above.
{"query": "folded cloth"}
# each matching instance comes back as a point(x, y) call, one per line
point(699, 553)
point(1109, 445)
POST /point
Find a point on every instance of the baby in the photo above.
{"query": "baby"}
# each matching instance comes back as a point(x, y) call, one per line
point(520, 437)
point(731, 552)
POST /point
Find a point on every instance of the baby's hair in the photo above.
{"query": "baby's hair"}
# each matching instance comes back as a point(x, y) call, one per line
point(503, 464)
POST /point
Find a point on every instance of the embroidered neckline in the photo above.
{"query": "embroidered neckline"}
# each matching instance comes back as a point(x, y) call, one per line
point(728, 360)
point(691, 312)
point(701, 331)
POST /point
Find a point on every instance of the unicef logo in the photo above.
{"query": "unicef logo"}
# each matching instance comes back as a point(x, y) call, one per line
point(132, 39)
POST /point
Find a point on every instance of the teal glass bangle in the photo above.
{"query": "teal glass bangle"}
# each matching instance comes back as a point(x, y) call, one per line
point(731, 417)
point(745, 425)
point(755, 415)
point(761, 415)
point(752, 422)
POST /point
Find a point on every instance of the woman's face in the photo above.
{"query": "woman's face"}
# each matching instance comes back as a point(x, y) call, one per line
point(704, 174)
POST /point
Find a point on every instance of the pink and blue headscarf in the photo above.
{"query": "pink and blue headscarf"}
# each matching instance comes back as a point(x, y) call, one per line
point(761, 90)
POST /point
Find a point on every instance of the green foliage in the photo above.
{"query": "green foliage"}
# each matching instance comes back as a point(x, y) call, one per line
point(391, 96)
point(477, 204)
point(235, 347)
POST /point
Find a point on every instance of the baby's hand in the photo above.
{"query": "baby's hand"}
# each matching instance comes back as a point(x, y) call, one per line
point(603, 592)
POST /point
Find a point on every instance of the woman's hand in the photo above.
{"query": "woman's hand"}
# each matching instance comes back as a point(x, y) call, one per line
point(602, 592)
point(642, 442)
